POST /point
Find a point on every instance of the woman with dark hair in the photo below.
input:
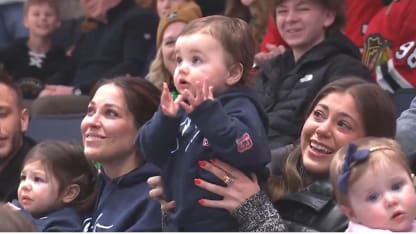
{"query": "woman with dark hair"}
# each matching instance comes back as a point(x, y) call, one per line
point(117, 109)
point(299, 189)
point(344, 110)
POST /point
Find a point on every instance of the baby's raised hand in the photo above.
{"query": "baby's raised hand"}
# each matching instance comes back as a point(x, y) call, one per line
point(168, 105)
point(203, 92)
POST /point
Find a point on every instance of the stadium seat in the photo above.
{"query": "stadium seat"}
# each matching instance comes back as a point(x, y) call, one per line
point(56, 127)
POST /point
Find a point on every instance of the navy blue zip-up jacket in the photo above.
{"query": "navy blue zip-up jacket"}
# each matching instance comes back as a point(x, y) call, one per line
point(66, 219)
point(231, 128)
point(124, 205)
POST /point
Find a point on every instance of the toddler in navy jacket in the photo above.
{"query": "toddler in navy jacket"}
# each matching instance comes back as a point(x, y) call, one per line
point(215, 116)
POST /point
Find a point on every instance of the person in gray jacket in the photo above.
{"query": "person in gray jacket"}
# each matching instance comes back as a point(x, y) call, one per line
point(406, 132)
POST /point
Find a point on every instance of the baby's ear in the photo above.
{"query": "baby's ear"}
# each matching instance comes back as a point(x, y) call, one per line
point(235, 74)
point(70, 193)
point(348, 212)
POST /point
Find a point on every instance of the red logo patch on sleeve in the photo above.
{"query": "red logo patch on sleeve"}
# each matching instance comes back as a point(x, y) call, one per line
point(205, 142)
point(244, 143)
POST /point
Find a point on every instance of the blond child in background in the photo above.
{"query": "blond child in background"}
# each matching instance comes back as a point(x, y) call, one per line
point(374, 187)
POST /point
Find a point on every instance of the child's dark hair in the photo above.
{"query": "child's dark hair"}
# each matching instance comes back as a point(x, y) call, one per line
point(52, 3)
point(68, 165)
point(233, 34)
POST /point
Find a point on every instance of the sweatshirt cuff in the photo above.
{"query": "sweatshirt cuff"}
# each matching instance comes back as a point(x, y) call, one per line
point(256, 213)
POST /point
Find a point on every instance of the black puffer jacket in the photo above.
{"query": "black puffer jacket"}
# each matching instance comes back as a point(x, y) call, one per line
point(10, 175)
point(287, 88)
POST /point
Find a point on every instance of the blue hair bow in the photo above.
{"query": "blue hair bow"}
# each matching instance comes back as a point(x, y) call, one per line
point(351, 156)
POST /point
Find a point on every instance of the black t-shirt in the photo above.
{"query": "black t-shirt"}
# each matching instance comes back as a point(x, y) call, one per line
point(10, 176)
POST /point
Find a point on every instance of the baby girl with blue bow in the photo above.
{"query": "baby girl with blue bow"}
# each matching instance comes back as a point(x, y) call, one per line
point(374, 186)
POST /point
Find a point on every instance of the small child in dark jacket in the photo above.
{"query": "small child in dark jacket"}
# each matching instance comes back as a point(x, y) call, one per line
point(56, 186)
point(30, 61)
point(215, 115)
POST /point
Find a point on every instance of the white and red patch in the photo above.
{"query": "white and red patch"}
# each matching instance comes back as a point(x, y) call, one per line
point(205, 142)
point(244, 143)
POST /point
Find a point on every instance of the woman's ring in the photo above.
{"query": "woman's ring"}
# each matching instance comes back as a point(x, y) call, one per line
point(227, 180)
